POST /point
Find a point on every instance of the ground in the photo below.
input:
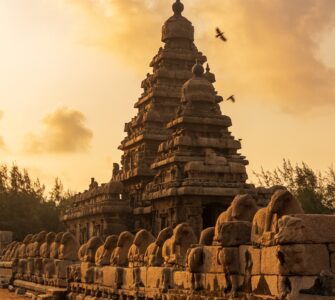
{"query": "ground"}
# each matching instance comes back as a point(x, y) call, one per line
point(5, 295)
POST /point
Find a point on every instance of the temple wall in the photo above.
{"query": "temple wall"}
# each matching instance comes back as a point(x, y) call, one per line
point(275, 252)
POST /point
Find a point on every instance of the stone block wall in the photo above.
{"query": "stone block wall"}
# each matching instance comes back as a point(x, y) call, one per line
point(288, 256)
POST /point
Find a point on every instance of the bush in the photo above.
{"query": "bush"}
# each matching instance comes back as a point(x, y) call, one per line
point(23, 206)
point(315, 191)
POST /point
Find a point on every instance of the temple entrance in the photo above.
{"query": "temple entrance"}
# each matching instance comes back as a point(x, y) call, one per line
point(210, 213)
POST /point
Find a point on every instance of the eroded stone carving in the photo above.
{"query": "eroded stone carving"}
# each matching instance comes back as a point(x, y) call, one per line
point(104, 252)
point(153, 255)
point(265, 222)
point(137, 250)
point(120, 253)
point(91, 248)
point(175, 248)
point(69, 246)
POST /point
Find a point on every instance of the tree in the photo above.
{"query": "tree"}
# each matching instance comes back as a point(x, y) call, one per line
point(24, 208)
point(315, 191)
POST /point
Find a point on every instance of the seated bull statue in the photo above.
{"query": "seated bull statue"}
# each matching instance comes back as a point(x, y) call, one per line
point(195, 257)
point(175, 248)
point(136, 252)
point(119, 256)
point(30, 260)
point(38, 265)
point(87, 254)
point(68, 254)
point(91, 248)
point(242, 208)
point(82, 252)
point(265, 222)
point(207, 236)
point(47, 261)
point(35, 262)
point(55, 245)
point(153, 255)
point(68, 249)
point(22, 255)
point(45, 248)
point(104, 252)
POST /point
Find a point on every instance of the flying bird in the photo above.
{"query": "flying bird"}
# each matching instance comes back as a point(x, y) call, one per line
point(220, 34)
point(231, 98)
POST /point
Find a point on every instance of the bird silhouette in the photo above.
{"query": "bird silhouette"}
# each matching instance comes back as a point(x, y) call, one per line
point(231, 98)
point(220, 34)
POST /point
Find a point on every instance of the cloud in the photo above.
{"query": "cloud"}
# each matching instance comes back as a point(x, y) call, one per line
point(64, 132)
point(273, 52)
point(2, 142)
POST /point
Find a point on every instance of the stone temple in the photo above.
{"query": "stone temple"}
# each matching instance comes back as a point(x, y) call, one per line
point(180, 162)
point(178, 221)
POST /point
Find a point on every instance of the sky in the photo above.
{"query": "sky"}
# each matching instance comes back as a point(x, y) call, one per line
point(70, 73)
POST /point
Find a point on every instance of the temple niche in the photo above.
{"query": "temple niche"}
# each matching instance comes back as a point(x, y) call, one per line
point(180, 163)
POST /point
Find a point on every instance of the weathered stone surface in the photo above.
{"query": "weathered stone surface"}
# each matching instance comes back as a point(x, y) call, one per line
point(300, 259)
point(159, 277)
point(182, 280)
point(112, 276)
point(229, 260)
point(250, 260)
point(332, 262)
point(316, 229)
point(119, 257)
point(216, 282)
point(331, 247)
point(104, 252)
point(265, 223)
point(137, 250)
point(153, 255)
point(242, 208)
point(68, 249)
point(297, 283)
point(265, 285)
point(175, 248)
point(234, 233)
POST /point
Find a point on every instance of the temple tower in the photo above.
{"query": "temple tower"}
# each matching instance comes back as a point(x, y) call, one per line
point(198, 168)
point(157, 106)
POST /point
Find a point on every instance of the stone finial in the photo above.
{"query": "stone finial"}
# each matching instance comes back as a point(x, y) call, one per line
point(178, 8)
point(198, 69)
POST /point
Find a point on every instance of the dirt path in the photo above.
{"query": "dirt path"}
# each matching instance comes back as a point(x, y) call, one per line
point(5, 295)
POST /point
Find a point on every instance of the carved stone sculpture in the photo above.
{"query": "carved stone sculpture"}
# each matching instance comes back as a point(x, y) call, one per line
point(265, 222)
point(68, 253)
point(120, 253)
point(45, 248)
point(22, 254)
point(207, 236)
point(91, 248)
point(137, 250)
point(175, 248)
point(153, 255)
point(82, 252)
point(38, 265)
point(242, 208)
point(55, 245)
point(69, 246)
point(22, 249)
point(104, 252)
point(48, 263)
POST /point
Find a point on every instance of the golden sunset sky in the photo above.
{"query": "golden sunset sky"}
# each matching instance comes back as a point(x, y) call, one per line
point(70, 73)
